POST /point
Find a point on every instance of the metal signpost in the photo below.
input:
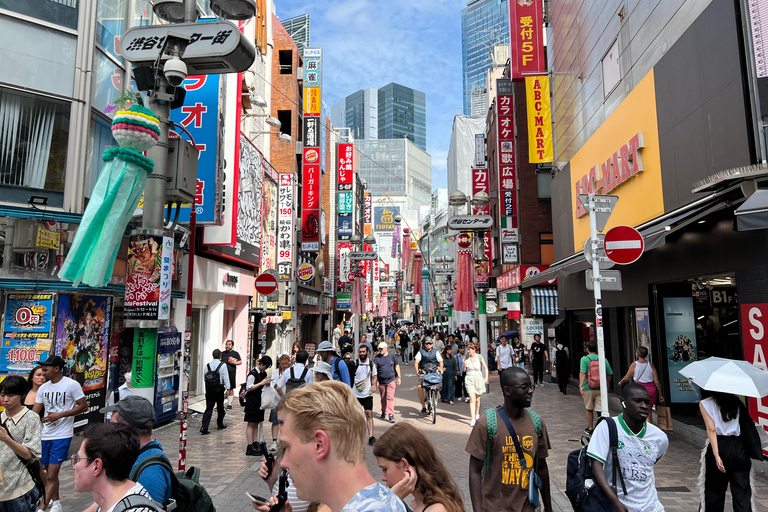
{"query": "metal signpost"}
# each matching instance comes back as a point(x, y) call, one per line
point(599, 208)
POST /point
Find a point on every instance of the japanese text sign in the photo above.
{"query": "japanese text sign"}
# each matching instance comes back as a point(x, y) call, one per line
point(345, 202)
point(148, 277)
point(26, 331)
point(526, 21)
point(312, 101)
point(285, 204)
point(310, 209)
point(345, 154)
point(539, 119)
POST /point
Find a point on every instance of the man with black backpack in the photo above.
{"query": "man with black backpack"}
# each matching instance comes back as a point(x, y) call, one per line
point(216, 382)
point(589, 383)
point(365, 382)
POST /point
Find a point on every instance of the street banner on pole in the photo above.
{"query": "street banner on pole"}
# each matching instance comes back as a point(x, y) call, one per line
point(539, 119)
point(285, 227)
point(526, 20)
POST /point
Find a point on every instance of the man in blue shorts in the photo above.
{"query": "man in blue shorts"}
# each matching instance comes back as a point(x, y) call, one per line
point(63, 399)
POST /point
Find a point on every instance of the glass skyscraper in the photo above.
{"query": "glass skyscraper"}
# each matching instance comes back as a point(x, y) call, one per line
point(403, 114)
point(484, 25)
point(360, 113)
point(298, 29)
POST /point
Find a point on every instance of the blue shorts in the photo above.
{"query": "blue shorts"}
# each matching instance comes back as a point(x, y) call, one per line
point(273, 416)
point(55, 451)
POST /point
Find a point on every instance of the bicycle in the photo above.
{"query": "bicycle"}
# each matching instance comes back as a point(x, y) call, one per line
point(432, 383)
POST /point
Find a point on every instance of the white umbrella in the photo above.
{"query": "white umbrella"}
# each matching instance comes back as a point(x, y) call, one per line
point(728, 376)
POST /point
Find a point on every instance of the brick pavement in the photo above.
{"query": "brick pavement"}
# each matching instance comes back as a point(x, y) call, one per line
point(227, 473)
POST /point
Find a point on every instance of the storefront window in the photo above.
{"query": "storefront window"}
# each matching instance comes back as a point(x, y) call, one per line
point(101, 139)
point(107, 78)
point(110, 23)
point(35, 131)
point(60, 12)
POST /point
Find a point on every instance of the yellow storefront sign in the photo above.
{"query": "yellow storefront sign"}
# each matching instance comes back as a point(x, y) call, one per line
point(621, 158)
point(312, 100)
point(49, 239)
point(286, 315)
point(539, 119)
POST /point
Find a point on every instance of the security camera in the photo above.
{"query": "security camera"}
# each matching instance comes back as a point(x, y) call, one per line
point(175, 71)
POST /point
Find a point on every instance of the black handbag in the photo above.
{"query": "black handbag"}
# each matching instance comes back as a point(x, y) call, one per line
point(33, 468)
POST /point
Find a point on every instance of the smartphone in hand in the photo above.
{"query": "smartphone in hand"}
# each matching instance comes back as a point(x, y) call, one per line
point(257, 499)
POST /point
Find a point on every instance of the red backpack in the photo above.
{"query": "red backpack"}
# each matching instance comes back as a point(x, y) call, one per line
point(593, 373)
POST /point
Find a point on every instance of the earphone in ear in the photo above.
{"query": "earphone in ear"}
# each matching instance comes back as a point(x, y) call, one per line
point(623, 405)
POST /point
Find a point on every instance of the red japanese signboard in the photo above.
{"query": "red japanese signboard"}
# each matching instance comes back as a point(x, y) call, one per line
point(526, 21)
point(506, 163)
point(481, 183)
point(345, 154)
point(310, 201)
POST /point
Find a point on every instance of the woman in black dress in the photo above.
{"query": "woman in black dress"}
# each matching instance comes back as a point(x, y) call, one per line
point(449, 375)
point(254, 414)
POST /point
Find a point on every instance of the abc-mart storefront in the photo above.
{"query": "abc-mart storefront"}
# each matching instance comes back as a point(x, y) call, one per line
point(690, 294)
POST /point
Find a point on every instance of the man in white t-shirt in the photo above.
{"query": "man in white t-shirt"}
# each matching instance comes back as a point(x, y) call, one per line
point(504, 354)
point(641, 445)
point(363, 383)
point(62, 399)
point(102, 466)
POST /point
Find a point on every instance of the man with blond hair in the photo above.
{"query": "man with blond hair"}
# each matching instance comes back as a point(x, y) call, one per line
point(323, 430)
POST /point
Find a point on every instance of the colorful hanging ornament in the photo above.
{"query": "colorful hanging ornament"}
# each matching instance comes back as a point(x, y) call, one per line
point(465, 280)
point(384, 303)
point(395, 240)
point(406, 249)
point(417, 277)
point(115, 197)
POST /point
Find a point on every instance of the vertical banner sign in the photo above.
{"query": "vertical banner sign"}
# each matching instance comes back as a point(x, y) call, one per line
point(508, 183)
point(680, 328)
point(83, 324)
point(200, 116)
point(268, 218)
point(346, 158)
point(526, 21)
point(143, 280)
point(480, 157)
point(166, 275)
point(143, 370)
point(754, 321)
point(539, 119)
point(311, 160)
point(285, 228)
point(643, 321)
point(367, 214)
point(27, 331)
point(481, 183)
point(344, 286)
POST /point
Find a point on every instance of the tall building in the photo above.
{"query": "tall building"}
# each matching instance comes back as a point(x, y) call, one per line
point(484, 28)
point(403, 114)
point(298, 28)
point(360, 113)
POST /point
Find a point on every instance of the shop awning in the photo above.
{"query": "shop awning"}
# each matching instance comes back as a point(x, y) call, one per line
point(753, 214)
point(654, 234)
point(544, 301)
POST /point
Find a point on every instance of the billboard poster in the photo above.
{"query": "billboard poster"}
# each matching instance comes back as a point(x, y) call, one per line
point(27, 331)
point(754, 321)
point(143, 369)
point(249, 195)
point(384, 218)
point(345, 227)
point(539, 119)
point(526, 20)
point(166, 276)
point(144, 271)
point(268, 224)
point(680, 330)
point(285, 204)
point(345, 165)
point(200, 116)
point(643, 322)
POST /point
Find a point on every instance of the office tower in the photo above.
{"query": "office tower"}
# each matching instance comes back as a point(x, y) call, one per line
point(359, 113)
point(484, 26)
point(298, 29)
point(403, 114)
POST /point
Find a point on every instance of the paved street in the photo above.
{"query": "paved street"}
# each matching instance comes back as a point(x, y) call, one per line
point(227, 473)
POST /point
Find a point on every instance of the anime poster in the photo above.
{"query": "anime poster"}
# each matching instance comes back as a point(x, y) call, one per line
point(27, 331)
point(82, 338)
point(147, 284)
point(680, 328)
point(269, 224)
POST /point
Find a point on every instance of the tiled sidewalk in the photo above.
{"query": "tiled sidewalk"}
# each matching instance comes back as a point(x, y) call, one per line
point(227, 473)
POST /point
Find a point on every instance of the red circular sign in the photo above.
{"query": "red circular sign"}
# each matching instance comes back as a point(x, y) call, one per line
point(623, 245)
point(266, 284)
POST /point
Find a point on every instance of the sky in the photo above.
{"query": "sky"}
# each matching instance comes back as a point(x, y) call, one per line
point(416, 43)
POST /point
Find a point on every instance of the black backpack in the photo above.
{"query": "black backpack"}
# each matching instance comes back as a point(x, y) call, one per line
point(187, 494)
point(561, 357)
point(580, 486)
point(351, 368)
point(212, 379)
point(294, 382)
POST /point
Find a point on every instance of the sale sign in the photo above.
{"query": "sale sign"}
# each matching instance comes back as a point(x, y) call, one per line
point(754, 327)
point(526, 21)
point(26, 331)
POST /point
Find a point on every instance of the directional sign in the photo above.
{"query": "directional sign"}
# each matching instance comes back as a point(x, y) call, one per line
point(624, 244)
point(387, 284)
point(603, 207)
point(603, 260)
point(266, 284)
point(470, 222)
point(610, 280)
point(364, 255)
point(443, 271)
point(214, 47)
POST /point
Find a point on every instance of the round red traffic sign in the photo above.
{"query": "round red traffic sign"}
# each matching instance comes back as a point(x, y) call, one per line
point(266, 284)
point(623, 245)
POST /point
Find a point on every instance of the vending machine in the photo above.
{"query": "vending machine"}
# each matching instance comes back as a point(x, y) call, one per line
point(167, 383)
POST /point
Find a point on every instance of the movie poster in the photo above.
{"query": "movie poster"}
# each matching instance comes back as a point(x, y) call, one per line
point(680, 328)
point(148, 277)
point(27, 331)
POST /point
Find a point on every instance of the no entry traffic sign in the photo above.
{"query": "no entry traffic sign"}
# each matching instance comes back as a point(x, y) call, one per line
point(266, 284)
point(623, 245)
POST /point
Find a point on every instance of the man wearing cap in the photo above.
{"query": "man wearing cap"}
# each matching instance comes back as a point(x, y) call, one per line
point(63, 399)
point(139, 414)
point(340, 370)
point(388, 377)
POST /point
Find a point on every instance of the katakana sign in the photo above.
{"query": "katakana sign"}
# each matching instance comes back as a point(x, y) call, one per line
point(285, 242)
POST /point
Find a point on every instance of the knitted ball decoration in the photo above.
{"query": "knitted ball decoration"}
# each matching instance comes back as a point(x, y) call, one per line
point(136, 128)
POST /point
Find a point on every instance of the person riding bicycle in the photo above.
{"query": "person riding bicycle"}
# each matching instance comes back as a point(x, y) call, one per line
point(428, 358)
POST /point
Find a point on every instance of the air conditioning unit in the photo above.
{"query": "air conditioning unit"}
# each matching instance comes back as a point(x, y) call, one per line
point(25, 236)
